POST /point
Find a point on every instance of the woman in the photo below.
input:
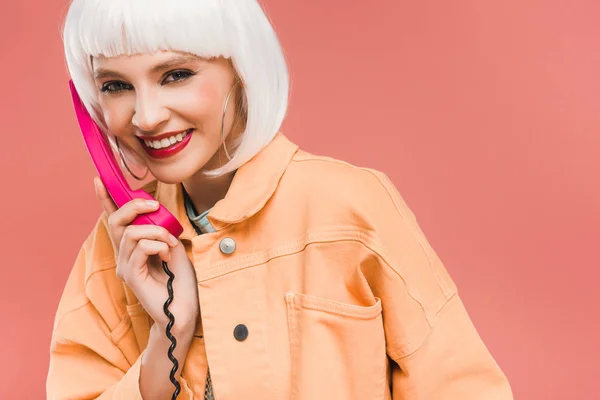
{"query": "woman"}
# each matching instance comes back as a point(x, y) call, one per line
point(296, 276)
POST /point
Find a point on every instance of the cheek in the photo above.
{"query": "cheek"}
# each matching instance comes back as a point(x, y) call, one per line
point(116, 119)
point(202, 101)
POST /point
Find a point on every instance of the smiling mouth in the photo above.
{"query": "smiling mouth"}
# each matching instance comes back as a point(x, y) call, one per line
point(165, 142)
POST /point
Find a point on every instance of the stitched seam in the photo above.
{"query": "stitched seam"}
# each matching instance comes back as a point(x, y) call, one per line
point(337, 308)
point(312, 157)
point(260, 257)
point(117, 334)
point(388, 190)
point(414, 232)
point(135, 310)
point(67, 341)
point(105, 265)
point(356, 235)
point(442, 300)
point(406, 350)
point(292, 329)
point(60, 319)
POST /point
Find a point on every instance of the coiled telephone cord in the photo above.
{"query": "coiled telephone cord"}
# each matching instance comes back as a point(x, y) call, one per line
point(168, 331)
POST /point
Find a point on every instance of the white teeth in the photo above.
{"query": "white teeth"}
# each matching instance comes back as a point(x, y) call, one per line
point(166, 142)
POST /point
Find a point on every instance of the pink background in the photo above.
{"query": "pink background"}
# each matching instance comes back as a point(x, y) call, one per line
point(484, 114)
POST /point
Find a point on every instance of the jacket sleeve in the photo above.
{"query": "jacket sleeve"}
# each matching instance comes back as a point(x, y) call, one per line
point(451, 363)
point(434, 349)
point(87, 360)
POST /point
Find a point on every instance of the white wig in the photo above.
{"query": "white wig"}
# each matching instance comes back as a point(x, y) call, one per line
point(234, 29)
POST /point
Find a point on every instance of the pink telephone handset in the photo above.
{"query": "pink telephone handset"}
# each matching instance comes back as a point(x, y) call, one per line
point(118, 188)
point(110, 173)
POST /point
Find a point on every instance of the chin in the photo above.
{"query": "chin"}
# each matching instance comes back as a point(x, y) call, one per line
point(171, 174)
point(168, 181)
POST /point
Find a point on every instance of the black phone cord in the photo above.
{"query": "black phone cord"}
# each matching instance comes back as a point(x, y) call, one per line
point(168, 331)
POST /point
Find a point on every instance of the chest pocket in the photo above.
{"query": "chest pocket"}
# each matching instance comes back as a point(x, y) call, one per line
point(337, 350)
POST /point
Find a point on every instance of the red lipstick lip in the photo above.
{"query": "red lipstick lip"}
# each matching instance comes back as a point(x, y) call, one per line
point(162, 136)
point(169, 151)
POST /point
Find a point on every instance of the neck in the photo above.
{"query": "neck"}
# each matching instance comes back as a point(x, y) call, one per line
point(206, 191)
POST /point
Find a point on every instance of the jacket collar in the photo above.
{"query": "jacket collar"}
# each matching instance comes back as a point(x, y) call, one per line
point(252, 186)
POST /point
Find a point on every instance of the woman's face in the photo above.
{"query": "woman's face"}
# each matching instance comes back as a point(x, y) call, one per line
point(167, 107)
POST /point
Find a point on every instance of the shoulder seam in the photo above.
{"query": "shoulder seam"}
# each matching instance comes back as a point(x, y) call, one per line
point(323, 159)
point(385, 183)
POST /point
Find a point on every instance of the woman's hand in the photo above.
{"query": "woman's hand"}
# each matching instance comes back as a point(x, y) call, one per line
point(140, 250)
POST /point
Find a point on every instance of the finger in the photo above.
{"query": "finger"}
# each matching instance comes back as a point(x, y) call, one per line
point(146, 248)
point(136, 267)
point(134, 233)
point(126, 214)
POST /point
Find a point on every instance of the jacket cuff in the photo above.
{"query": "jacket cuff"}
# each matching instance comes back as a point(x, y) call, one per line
point(129, 386)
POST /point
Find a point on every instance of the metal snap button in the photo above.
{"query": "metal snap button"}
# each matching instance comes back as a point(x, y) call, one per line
point(240, 332)
point(227, 246)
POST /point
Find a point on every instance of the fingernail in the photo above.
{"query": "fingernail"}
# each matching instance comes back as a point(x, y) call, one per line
point(152, 203)
point(173, 240)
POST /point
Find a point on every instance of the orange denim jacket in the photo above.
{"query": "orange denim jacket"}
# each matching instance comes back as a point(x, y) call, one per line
point(340, 291)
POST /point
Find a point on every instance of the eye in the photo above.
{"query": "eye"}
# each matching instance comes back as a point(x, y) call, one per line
point(114, 86)
point(179, 75)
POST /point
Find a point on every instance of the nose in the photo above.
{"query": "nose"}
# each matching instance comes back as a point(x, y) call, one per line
point(149, 112)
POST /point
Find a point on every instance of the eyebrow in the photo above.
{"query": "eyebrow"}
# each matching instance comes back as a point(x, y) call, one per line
point(101, 73)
